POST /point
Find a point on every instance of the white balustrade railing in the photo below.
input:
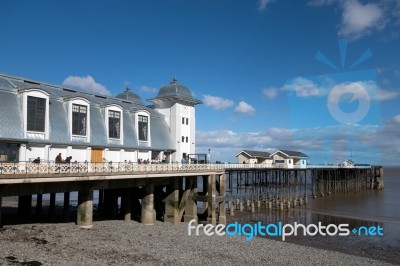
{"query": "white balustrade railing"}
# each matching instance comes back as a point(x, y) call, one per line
point(65, 168)
point(122, 167)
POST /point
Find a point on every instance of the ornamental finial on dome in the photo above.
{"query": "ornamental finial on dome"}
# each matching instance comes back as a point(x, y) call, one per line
point(127, 89)
point(174, 80)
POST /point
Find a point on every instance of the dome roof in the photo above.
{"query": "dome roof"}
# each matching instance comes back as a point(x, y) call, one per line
point(130, 96)
point(175, 89)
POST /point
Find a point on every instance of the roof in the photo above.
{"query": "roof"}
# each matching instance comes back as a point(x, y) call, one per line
point(296, 154)
point(10, 100)
point(175, 91)
point(250, 153)
point(130, 96)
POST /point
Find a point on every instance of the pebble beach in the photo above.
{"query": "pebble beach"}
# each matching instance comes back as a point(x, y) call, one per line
point(131, 243)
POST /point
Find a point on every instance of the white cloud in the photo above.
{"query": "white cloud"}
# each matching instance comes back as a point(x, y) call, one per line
point(384, 95)
point(87, 84)
point(396, 119)
point(356, 89)
point(359, 20)
point(379, 144)
point(262, 4)
point(147, 89)
point(308, 88)
point(217, 103)
point(245, 108)
point(270, 93)
point(303, 87)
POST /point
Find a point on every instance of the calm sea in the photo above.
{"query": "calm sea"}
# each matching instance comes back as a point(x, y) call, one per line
point(372, 205)
point(368, 208)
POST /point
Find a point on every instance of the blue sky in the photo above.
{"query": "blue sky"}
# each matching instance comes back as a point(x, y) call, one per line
point(252, 63)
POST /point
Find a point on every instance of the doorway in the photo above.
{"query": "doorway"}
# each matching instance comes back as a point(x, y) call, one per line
point(97, 155)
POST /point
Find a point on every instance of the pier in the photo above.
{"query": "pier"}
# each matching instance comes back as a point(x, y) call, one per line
point(281, 188)
point(171, 192)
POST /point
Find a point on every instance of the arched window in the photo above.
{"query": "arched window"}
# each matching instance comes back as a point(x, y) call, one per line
point(36, 113)
point(79, 118)
point(114, 122)
point(143, 126)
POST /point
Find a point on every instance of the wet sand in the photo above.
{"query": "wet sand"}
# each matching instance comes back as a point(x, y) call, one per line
point(131, 243)
point(385, 248)
point(36, 242)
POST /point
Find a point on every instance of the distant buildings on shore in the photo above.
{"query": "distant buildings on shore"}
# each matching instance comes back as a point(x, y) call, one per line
point(286, 159)
point(280, 158)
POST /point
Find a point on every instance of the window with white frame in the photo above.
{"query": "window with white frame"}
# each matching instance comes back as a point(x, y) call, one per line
point(143, 126)
point(79, 119)
point(143, 122)
point(36, 114)
point(114, 124)
point(35, 110)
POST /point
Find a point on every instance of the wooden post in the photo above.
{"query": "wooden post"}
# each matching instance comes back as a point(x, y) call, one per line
point(172, 202)
point(85, 208)
point(381, 179)
point(148, 211)
point(52, 207)
point(222, 194)
point(205, 191)
point(211, 199)
point(66, 206)
point(191, 207)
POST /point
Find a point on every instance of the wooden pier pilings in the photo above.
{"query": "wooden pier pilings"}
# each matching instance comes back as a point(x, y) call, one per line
point(281, 188)
point(175, 196)
point(345, 180)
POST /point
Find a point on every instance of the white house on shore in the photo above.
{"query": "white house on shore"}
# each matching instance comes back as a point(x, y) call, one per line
point(43, 120)
point(289, 159)
point(348, 164)
point(254, 157)
point(280, 158)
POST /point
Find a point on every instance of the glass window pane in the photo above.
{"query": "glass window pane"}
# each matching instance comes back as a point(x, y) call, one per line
point(79, 119)
point(36, 111)
point(114, 124)
point(143, 127)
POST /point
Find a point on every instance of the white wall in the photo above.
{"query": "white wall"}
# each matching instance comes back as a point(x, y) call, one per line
point(144, 155)
point(112, 155)
point(32, 152)
point(78, 154)
point(128, 155)
point(53, 152)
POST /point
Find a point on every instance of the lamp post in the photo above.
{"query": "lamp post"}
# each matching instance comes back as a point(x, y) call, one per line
point(209, 155)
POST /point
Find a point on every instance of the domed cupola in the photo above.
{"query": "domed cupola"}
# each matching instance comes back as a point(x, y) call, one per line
point(175, 91)
point(127, 95)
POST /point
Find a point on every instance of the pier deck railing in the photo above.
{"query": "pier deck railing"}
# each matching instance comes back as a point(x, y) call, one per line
point(96, 168)
point(125, 167)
